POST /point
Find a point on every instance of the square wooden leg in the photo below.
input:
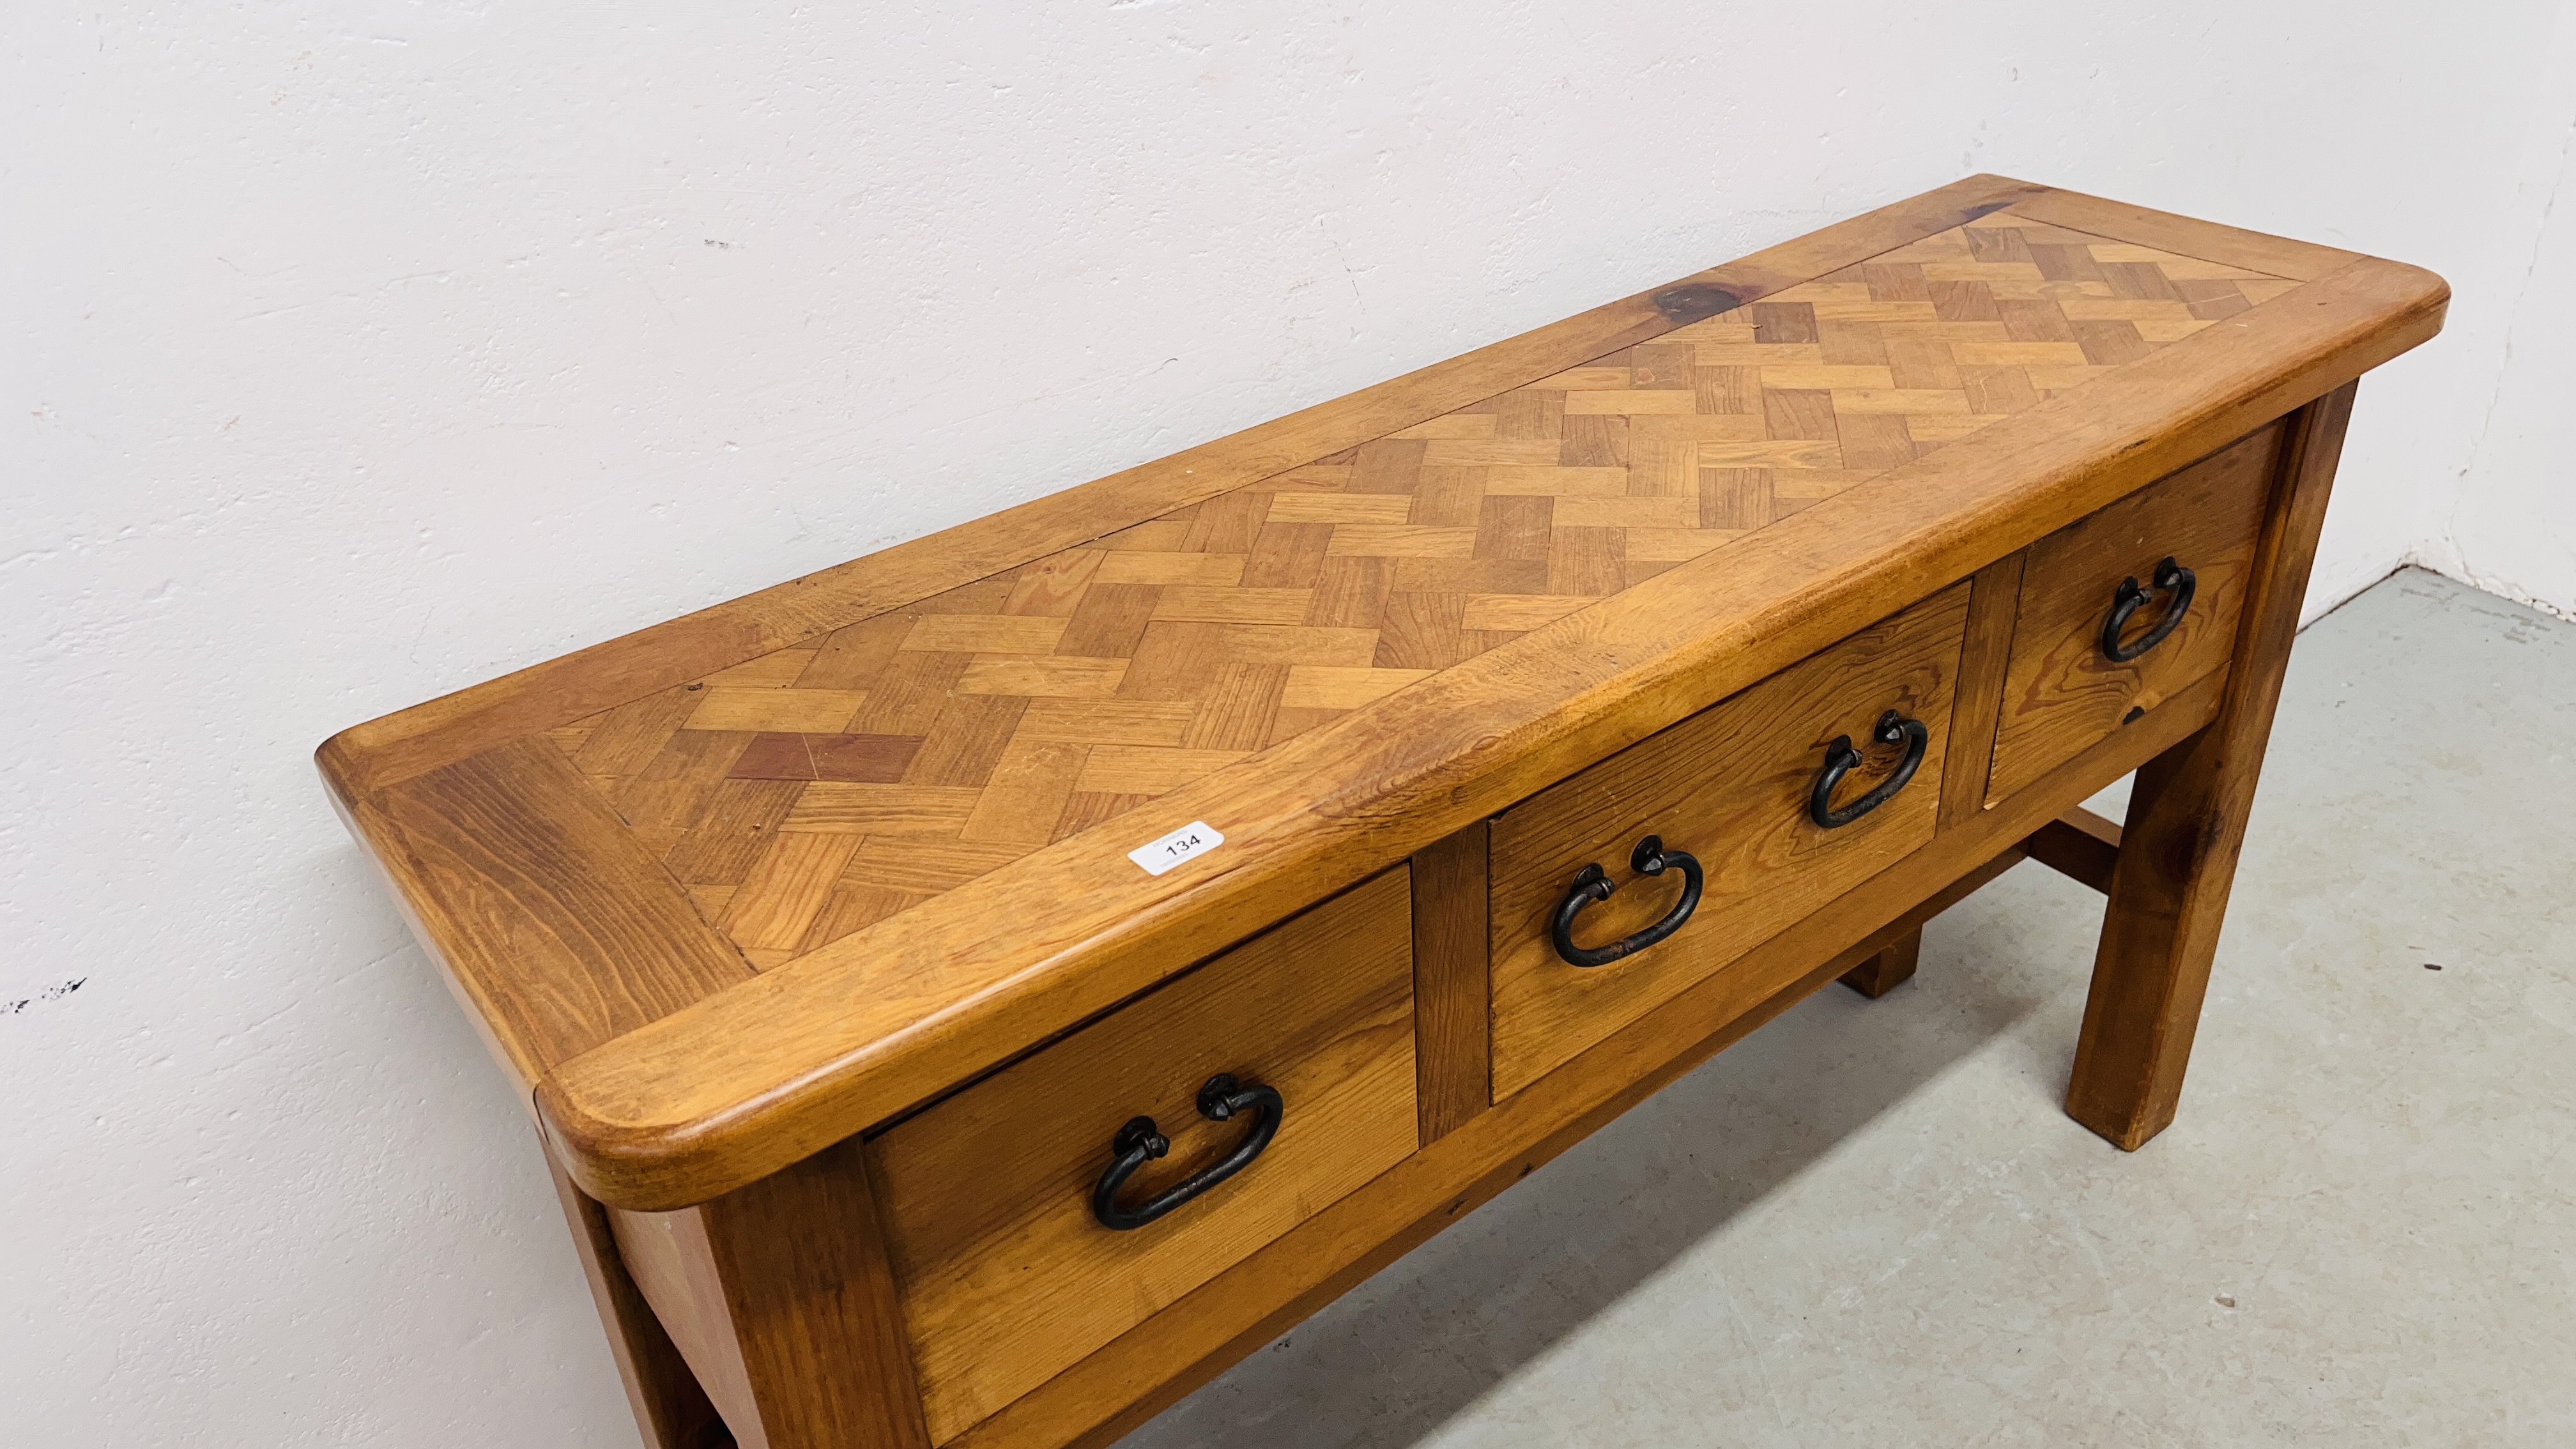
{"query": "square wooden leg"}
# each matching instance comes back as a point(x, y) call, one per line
point(670, 1407)
point(781, 1298)
point(1889, 969)
point(2187, 811)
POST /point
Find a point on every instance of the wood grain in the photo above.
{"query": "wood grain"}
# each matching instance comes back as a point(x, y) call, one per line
point(671, 1409)
point(1452, 997)
point(1888, 967)
point(2079, 844)
point(553, 923)
point(547, 695)
point(1984, 657)
point(888, 1016)
point(2227, 245)
point(1909, 926)
point(781, 1298)
point(2062, 692)
point(673, 1267)
point(1048, 699)
point(1730, 785)
point(2186, 822)
point(1624, 574)
point(1152, 1366)
point(1005, 1276)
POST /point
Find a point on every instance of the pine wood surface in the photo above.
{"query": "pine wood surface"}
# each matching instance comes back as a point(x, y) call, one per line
point(1730, 785)
point(1237, 1312)
point(770, 1070)
point(810, 792)
point(780, 1297)
point(1888, 967)
point(2187, 811)
point(360, 764)
point(1985, 653)
point(557, 691)
point(2062, 692)
point(2081, 845)
point(527, 886)
point(1005, 1277)
point(672, 1409)
point(671, 1264)
point(1452, 980)
point(738, 1073)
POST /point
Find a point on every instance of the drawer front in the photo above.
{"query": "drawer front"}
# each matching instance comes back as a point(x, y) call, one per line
point(1006, 1276)
point(2063, 692)
point(1731, 786)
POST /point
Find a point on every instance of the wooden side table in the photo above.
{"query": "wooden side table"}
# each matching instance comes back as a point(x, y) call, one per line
point(973, 994)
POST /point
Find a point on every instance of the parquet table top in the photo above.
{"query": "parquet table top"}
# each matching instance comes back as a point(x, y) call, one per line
point(731, 888)
point(818, 789)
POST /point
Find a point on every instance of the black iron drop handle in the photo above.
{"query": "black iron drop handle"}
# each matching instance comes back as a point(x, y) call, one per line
point(1840, 758)
point(1140, 1141)
point(2171, 578)
point(1592, 885)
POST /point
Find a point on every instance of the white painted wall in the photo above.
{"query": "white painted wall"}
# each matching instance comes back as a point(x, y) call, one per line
point(359, 351)
point(2511, 526)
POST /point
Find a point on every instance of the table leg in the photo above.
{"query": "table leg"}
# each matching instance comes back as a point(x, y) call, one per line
point(1890, 968)
point(670, 1406)
point(781, 1296)
point(2187, 811)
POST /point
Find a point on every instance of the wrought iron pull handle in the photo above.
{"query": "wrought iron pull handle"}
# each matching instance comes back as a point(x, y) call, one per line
point(1140, 1140)
point(1592, 885)
point(1840, 758)
point(2171, 578)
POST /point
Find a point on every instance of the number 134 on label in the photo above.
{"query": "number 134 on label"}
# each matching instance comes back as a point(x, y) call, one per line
point(1165, 851)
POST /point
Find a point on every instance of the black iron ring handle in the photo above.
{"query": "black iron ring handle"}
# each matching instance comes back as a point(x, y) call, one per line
point(2170, 578)
point(1840, 758)
point(1140, 1140)
point(1592, 885)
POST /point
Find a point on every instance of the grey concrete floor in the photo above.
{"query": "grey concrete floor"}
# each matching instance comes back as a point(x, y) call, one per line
point(1870, 1224)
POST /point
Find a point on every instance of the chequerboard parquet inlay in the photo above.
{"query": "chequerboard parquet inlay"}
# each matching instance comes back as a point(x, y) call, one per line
point(815, 790)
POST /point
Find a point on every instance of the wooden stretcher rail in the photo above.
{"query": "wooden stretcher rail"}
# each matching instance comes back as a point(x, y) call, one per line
point(2080, 844)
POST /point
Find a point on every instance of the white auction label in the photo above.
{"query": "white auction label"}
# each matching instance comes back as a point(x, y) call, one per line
point(1187, 843)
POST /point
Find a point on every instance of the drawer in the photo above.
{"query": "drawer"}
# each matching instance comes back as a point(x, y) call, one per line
point(2063, 692)
point(1005, 1275)
point(1730, 786)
